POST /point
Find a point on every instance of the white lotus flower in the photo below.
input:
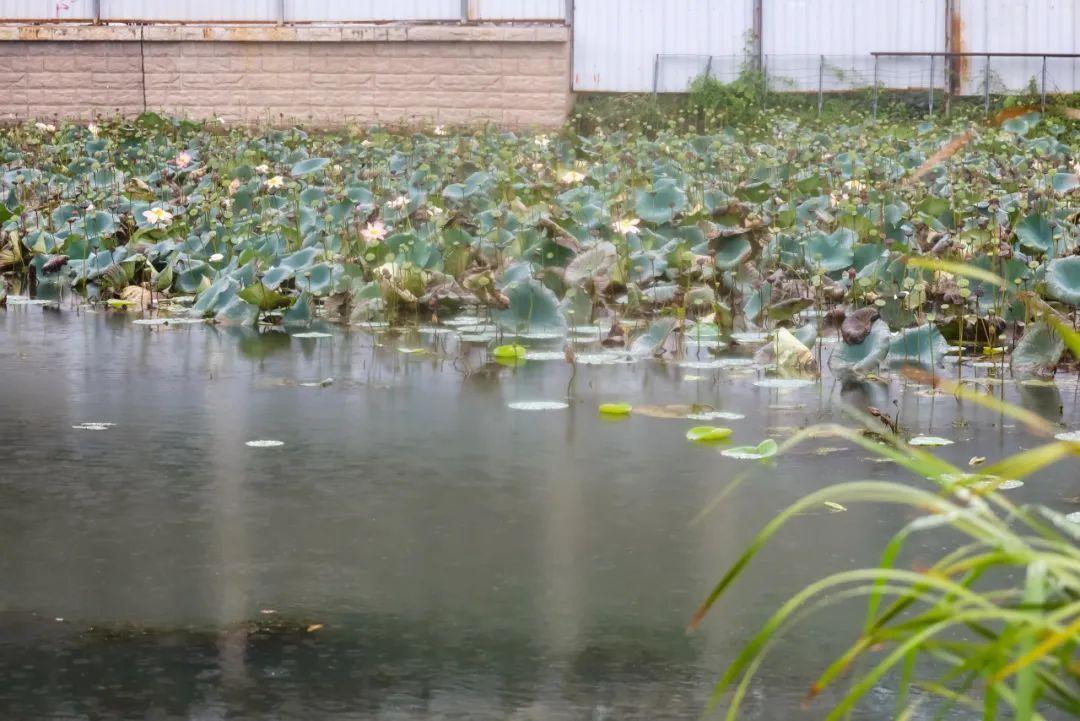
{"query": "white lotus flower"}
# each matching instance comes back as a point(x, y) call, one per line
point(440, 130)
point(626, 226)
point(399, 202)
point(435, 211)
point(275, 182)
point(45, 127)
point(374, 232)
point(542, 141)
point(571, 177)
point(94, 130)
point(217, 258)
point(157, 216)
point(365, 143)
point(234, 185)
point(182, 160)
point(262, 169)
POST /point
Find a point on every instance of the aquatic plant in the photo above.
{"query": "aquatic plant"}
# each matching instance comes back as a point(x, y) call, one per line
point(992, 625)
point(769, 223)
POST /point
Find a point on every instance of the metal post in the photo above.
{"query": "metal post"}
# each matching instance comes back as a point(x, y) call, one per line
point(764, 84)
point(986, 86)
point(656, 74)
point(877, 62)
point(281, 12)
point(1043, 94)
point(932, 58)
point(97, 12)
point(465, 11)
point(821, 85)
point(757, 38)
point(708, 67)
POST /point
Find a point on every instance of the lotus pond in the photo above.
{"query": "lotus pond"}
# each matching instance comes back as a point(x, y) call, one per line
point(445, 425)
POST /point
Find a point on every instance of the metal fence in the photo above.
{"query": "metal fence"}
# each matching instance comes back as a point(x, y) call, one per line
point(938, 77)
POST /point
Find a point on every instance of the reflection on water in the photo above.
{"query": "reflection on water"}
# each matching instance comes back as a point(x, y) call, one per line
point(415, 549)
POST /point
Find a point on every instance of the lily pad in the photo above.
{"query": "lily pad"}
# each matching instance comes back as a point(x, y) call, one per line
point(510, 352)
point(1063, 279)
point(766, 449)
point(708, 433)
point(865, 357)
point(923, 345)
point(1038, 351)
point(615, 409)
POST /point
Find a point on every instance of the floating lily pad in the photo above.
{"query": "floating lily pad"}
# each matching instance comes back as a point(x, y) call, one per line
point(506, 352)
point(615, 409)
point(766, 449)
point(708, 433)
point(538, 405)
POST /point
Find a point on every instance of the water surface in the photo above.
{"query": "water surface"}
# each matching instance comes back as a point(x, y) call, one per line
point(415, 549)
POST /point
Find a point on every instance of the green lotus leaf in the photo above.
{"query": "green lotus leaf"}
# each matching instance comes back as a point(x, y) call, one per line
point(1063, 280)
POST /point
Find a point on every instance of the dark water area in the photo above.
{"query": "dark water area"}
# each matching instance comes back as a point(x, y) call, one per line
point(416, 549)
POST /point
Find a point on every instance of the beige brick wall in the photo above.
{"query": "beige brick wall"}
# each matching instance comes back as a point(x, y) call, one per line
point(510, 79)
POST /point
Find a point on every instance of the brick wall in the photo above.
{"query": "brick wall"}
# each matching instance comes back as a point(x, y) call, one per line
point(512, 76)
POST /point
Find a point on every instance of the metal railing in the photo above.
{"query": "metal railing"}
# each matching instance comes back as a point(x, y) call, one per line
point(944, 75)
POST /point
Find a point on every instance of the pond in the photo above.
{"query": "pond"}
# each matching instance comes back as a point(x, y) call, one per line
point(415, 548)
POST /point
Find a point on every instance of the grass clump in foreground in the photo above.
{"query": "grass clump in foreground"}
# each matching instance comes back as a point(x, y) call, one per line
point(992, 626)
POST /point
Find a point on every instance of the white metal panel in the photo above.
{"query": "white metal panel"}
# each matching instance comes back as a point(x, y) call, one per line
point(796, 33)
point(1049, 26)
point(191, 10)
point(46, 9)
point(520, 9)
point(616, 41)
point(372, 10)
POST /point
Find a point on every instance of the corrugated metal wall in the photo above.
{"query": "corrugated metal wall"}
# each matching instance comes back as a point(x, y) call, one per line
point(46, 9)
point(190, 10)
point(1049, 26)
point(616, 41)
point(642, 45)
point(796, 33)
point(520, 9)
point(360, 10)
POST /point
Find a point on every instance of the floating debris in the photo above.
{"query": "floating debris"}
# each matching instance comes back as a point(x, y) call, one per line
point(93, 426)
point(930, 441)
point(312, 334)
point(538, 405)
point(265, 444)
point(783, 383)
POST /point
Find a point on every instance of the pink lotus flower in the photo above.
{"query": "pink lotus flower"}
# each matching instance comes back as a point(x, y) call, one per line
point(374, 232)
